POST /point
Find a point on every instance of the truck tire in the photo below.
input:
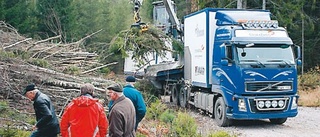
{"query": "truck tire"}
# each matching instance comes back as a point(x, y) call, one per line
point(183, 97)
point(175, 95)
point(220, 113)
point(278, 120)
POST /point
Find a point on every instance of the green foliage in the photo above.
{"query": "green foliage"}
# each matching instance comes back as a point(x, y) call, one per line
point(155, 110)
point(22, 54)
point(76, 19)
point(8, 131)
point(220, 134)
point(3, 107)
point(15, 13)
point(4, 54)
point(40, 62)
point(74, 70)
point(184, 125)
point(138, 134)
point(217, 4)
point(148, 90)
point(14, 54)
point(140, 44)
point(104, 70)
point(167, 116)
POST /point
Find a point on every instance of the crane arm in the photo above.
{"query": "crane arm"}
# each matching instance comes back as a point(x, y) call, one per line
point(172, 15)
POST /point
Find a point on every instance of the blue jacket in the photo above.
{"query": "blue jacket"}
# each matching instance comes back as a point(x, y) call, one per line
point(137, 99)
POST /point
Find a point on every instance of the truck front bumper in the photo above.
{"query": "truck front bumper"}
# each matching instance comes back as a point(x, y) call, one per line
point(262, 115)
point(244, 107)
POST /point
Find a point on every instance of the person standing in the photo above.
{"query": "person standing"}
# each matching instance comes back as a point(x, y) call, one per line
point(136, 97)
point(84, 116)
point(121, 114)
point(47, 123)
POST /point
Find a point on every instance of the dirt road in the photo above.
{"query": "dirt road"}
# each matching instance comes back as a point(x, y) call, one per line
point(306, 124)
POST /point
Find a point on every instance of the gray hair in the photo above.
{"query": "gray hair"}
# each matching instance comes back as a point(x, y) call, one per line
point(86, 88)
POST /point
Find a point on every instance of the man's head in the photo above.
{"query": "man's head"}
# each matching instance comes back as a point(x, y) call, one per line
point(114, 91)
point(87, 88)
point(30, 91)
point(130, 79)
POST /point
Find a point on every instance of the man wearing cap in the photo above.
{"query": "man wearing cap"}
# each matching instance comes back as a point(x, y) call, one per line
point(121, 114)
point(136, 97)
point(47, 123)
point(84, 116)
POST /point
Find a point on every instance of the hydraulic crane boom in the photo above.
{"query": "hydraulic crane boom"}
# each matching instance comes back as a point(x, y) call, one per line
point(172, 14)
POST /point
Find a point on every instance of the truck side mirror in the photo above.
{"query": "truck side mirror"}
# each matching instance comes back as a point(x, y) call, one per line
point(299, 62)
point(298, 54)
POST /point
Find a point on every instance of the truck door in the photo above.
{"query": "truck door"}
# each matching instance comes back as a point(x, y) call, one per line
point(224, 72)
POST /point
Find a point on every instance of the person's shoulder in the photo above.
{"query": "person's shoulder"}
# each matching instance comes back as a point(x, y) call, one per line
point(127, 101)
point(99, 105)
point(42, 98)
point(130, 88)
point(69, 106)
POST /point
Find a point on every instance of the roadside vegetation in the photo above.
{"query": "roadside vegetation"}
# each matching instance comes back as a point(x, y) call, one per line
point(309, 88)
point(14, 123)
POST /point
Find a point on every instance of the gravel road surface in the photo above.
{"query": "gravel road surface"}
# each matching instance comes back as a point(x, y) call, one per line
point(305, 124)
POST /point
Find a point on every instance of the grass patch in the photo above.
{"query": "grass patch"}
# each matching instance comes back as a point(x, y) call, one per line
point(10, 125)
point(309, 98)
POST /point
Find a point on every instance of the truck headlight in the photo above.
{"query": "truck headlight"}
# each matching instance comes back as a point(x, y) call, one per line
point(261, 104)
point(242, 105)
point(281, 103)
point(294, 103)
point(274, 103)
point(268, 103)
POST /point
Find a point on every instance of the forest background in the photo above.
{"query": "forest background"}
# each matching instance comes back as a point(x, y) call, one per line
point(74, 19)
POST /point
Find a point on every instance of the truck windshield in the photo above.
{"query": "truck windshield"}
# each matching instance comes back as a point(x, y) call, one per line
point(281, 54)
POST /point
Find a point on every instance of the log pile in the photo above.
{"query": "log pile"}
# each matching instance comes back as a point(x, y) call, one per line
point(17, 70)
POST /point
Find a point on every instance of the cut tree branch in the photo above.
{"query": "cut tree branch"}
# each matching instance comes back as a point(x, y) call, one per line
point(99, 67)
point(17, 43)
point(45, 40)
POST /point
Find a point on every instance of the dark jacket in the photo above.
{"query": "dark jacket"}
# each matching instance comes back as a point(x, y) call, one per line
point(47, 122)
point(84, 117)
point(122, 118)
point(137, 99)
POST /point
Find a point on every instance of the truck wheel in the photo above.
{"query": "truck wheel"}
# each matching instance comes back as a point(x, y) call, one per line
point(220, 113)
point(175, 95)
point(278, 120)
point(183, 97)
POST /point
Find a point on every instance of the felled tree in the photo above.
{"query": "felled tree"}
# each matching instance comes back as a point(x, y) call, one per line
point(141, 44)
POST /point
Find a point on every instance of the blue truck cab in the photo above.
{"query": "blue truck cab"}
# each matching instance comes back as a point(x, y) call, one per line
point(237, 64)
point(242, 65)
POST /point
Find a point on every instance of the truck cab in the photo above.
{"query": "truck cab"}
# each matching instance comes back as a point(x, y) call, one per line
point(243, 65)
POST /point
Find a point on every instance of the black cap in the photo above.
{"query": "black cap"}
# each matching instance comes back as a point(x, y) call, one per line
point(131, 79)
point(115, 87)
point(28, 88)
